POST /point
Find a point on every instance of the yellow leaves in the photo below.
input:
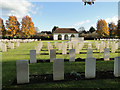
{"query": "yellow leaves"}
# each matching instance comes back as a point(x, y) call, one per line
point(27, 26)
point(102, 27)
point(2, 28)
point(12, 25)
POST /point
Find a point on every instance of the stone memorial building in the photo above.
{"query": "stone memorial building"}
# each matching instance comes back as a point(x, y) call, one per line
point(65, 33)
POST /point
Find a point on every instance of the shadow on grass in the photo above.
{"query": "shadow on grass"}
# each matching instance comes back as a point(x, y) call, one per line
point(67, 60)
point(76, 76)
point(86, 49)
point(79, 53)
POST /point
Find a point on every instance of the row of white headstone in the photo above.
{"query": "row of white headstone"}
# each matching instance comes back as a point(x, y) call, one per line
point(101, 46)
point(108, 39)
point(72, 45)
point(10, 45)
point(77, 46)
point(58, 69)
point(71, 55)
point(17, 40)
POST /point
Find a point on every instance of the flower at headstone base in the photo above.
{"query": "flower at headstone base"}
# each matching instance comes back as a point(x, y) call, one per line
point(75, 75)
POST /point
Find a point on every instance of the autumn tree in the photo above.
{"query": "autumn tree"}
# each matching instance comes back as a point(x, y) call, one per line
point(28, 28)
point(102, 28)
point(112, 29)
point(118, 28)
point(2, 28)
point(13, 26)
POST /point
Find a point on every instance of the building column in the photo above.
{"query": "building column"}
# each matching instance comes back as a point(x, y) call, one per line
point(62, 36)
point(55, 36)
point(69, 35)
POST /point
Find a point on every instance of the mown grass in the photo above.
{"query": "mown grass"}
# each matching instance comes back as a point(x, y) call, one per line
point(22, 53)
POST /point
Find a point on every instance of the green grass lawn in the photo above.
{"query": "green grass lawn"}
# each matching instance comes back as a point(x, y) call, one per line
point(22, 53)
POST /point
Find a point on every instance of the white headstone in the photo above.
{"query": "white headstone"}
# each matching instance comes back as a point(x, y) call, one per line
point(72, 55)
point(101, 49)
point(12, 45)
point(106, 54)
point(22, 71)
point(58, 69)
point(37, 48)
point(113, 47)
point(107, 45)
point(52, 55)
point(17, 44)
point(89, 53)
point(80, 46)
point(90, 46)
point(70, 45)
point(64, 49)
point(33, 56)
point(117, 67)
point(4, 48)
point(90, 68)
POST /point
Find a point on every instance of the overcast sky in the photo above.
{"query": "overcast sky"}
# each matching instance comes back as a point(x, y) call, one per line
point(46, 15)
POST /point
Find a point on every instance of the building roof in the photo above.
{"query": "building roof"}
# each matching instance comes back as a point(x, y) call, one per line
point(65, 30)
point(47, 32)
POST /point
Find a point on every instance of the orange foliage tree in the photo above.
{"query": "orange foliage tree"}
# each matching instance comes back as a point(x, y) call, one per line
point(28, 28)
point(102, 28)
point(12, 25)
point(2, 28)
point(112, 29)
point(118, 28)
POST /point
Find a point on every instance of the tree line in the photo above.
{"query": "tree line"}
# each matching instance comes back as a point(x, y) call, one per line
point(108, 30)
point(26, 28)
point(104, 29)
point(13, 29)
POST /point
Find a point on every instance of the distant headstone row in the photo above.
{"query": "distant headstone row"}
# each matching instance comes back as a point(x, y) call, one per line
point(4, 47)
point(17, 40)
point(101, 46)
point(107, 39)
point(11, 43)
